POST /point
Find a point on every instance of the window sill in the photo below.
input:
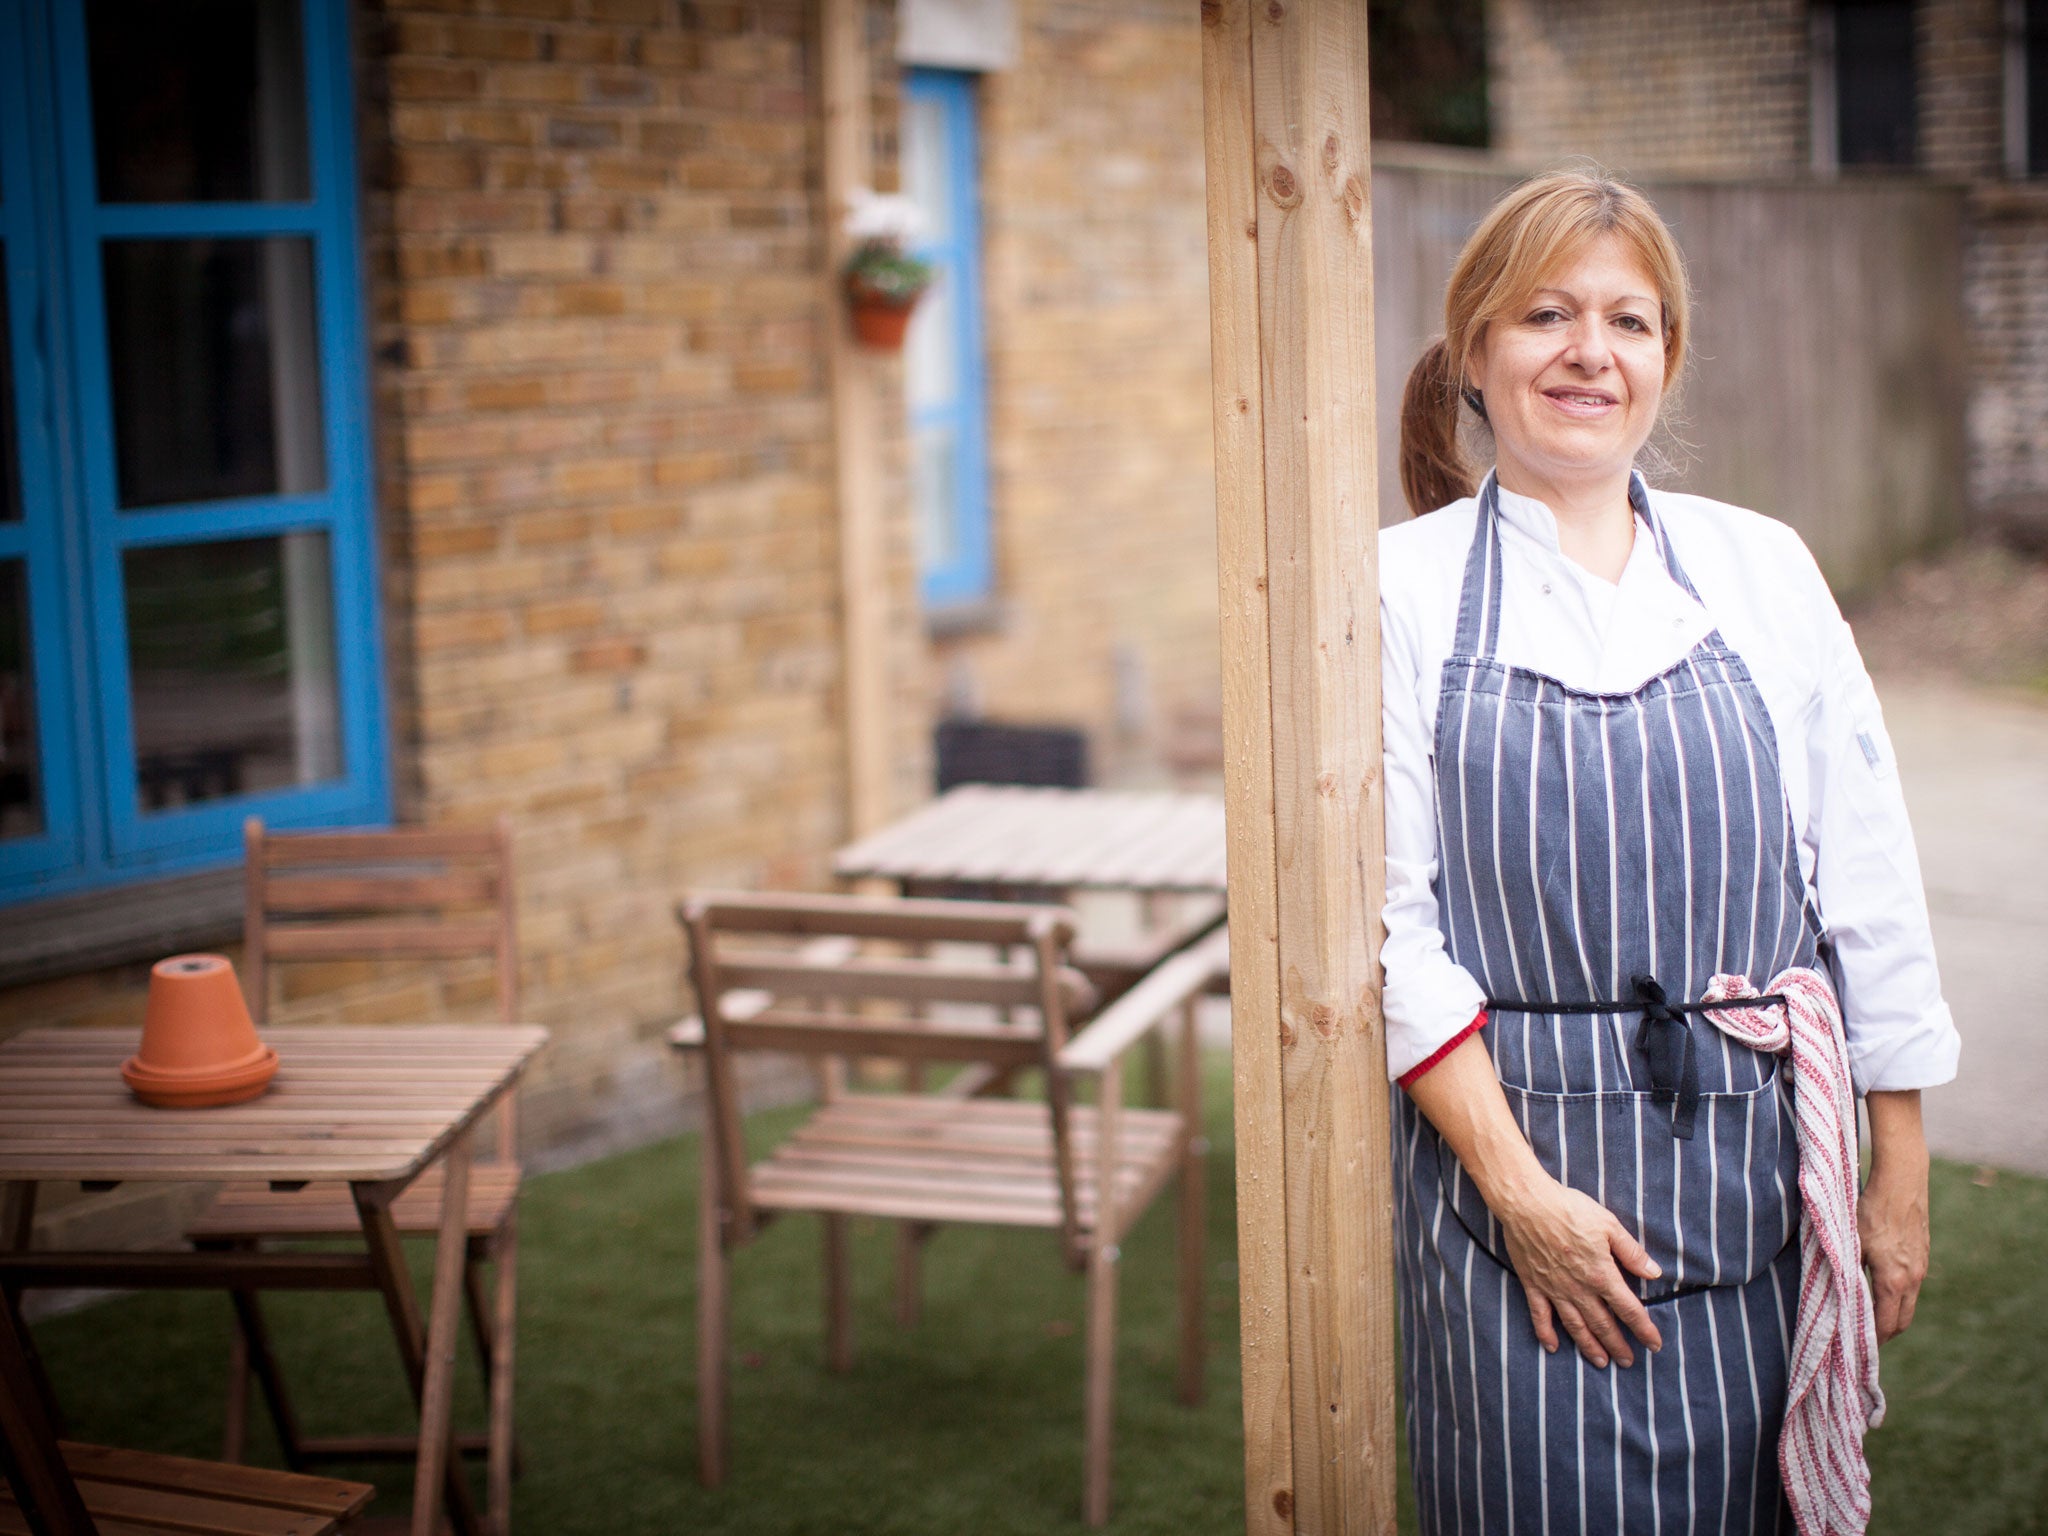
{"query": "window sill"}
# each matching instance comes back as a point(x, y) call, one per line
point(62, 937)
point(960, 621)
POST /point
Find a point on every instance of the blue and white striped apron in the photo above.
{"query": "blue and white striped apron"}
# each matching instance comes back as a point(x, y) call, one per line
point(1587, 840)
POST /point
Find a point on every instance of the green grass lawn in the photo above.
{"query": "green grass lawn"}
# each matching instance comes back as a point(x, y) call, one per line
point(972, 1421)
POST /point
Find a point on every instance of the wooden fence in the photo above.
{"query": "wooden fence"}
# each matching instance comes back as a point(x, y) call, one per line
point(1827, 385)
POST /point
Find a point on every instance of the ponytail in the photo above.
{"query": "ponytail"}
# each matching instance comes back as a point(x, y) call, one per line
point(1433, 471)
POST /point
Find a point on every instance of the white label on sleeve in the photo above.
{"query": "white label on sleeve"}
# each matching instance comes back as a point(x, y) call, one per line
point(1872, 755)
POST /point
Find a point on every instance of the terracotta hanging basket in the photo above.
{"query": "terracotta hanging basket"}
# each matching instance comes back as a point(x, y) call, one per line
point(881, 324)
point(199, 1046)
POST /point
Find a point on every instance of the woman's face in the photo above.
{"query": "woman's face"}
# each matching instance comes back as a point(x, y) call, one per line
point(1573, 378)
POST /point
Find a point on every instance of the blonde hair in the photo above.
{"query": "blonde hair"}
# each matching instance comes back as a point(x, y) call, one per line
point(1528, 235)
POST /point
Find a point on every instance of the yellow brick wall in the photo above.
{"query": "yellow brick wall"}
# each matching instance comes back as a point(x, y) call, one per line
point(607, 486)
point(1710, 87)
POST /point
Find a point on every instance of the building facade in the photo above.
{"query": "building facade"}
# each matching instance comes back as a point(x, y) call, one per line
point(480, 349)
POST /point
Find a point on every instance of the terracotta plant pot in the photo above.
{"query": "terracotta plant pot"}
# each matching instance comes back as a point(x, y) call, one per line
point(881, 325)
point(198, 1044)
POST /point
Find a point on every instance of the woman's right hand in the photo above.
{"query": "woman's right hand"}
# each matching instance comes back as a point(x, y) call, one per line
point(1569, 1252)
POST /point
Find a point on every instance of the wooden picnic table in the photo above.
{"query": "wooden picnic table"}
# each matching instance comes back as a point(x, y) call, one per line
point(1150, 841)
point(370, 1106)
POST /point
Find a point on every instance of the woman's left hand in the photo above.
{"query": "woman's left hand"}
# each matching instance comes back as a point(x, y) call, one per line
point(1891, 1214)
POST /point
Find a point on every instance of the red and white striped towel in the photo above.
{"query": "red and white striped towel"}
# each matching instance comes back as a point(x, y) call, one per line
point(1834, 1395)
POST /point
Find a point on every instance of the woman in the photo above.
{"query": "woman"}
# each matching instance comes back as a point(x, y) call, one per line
point(1636, 775)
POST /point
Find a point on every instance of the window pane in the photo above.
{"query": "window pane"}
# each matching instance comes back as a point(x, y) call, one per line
point(931, 377)
point(10, 447)
point(231, 666)
point(935, 492)
point(201, 101)
point(924, 166)
point(1875, 83)
point(21, 787)
point(2037, 87)
point(212, 353)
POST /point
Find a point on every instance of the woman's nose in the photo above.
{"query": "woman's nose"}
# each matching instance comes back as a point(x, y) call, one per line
point(1587, 346)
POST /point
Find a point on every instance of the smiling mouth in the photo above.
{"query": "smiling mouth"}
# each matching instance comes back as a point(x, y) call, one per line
point(1581, 399)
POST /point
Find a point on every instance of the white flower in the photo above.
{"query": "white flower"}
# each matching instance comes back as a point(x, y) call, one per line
point(872, 215)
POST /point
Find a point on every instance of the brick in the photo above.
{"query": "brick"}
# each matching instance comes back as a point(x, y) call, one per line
point(441, 543)
point(494, 125)
point(596, 477)
point(589, 299)
point(583, 132)
point(552, 529)
point(536, 83)
point(495, 41)
point(639, 13)
point(505, 392)
point(608, 656)
point(425, 80)
point(422, 257)
point(459, 631)
point(580, 46)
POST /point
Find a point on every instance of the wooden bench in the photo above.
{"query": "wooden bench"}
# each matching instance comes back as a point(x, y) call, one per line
point(138, 1493)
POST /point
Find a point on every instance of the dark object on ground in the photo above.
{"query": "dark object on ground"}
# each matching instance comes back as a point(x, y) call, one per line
point(987, 752)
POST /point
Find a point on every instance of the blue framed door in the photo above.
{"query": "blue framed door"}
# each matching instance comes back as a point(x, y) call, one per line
point(944, 369)
point(41, 826)
point(207, 561)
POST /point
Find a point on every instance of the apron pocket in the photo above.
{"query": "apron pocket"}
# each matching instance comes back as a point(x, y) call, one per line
point(1714, 1210)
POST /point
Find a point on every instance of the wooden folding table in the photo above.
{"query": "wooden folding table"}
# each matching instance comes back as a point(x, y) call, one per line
point(369, 1106)
point(1154, 842)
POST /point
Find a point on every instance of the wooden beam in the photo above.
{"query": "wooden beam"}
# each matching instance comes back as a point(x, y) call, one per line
point(856, 380)
point(1291, 339)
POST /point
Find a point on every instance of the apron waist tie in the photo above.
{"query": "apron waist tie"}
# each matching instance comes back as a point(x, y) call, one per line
point(1663, 1036)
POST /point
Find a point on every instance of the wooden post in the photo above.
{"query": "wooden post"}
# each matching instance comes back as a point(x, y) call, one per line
point(856, 417)
point(1290, 278)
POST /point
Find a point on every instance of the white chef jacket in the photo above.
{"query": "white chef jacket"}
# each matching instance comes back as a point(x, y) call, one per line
point(1760, 586)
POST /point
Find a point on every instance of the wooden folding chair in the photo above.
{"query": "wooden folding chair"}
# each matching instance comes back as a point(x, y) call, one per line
point(60, 1488)
point(425, 894)
point(784, 973)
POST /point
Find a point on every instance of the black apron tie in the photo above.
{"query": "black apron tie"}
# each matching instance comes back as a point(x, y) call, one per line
point(1664, 1037)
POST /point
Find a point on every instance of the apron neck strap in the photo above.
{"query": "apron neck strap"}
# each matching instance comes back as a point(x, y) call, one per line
point(1479, 601)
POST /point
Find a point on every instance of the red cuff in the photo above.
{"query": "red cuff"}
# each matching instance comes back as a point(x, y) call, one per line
point(1414, 1074)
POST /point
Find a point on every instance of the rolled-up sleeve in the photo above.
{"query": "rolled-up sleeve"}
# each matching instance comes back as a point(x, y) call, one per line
point(1429, 999)
point(1867, 874)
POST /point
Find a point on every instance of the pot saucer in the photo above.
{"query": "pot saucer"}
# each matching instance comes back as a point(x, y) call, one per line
point(201, 1087)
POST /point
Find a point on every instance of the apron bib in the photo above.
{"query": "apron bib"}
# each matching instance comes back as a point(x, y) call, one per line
point(1597, 848)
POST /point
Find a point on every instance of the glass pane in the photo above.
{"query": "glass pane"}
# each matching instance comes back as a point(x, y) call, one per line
point(21, 775)
point(2037, 87)
point(231, 667)
point(932, 348)
point(213, 357)
point(1876, 89)
point(202, 101)
point(10, 446)
point(935, 489)
point(924, 166)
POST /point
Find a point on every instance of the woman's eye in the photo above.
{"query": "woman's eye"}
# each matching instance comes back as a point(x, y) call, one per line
point(1634, 323)
point(1546, 317)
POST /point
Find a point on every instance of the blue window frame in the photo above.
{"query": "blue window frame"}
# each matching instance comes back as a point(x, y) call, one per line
point(944, 369)
point(189, 628)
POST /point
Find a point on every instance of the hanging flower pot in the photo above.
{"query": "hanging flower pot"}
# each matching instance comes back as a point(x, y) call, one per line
point(883, 285)
point(881, 325)
point(199, 1046)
